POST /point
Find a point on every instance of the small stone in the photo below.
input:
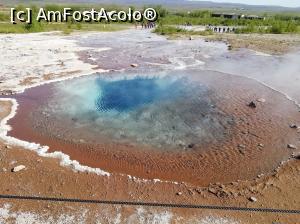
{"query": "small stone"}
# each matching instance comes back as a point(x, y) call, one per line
point(241, 146)
point(261, 145)
point(230, 47)
point(253, 199)
point(212, 190)
point(7, 147)
point(134, 65)
point(192, 145)
point(296, 155)
point(290, 146)
point(179, 193)
point(260, 175)
point(252, 105)
point(18, 168)
point(261, 100)
point(294, 126)
point(4, 170)
point(191, 38)
point(81, 141)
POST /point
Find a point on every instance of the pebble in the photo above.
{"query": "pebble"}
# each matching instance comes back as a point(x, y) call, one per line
point(134, 65)
point(179, 193)
point(261, 145)
point(294, 126)
point(296, 156)
point(7, 147)
point(241, 146)
point(82, 141)
point(4, 170)
point(191, 145)
point(18, 168)
point(261, 100)
point(252, 105)
point(242, 152)
point(253, 199)
point(290, 146)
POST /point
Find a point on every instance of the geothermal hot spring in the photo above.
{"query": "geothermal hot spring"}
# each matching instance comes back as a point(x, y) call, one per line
point(192, 126)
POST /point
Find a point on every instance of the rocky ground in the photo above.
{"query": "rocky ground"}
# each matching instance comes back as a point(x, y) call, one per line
point(23, 172)
point(266, 43)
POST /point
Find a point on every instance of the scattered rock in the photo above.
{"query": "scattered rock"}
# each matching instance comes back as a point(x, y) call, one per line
point(230, 47)
point(294, 126)
point(253, 199)
point(241, 146)
point(296, 156)
point(242, 152)
point(242, 149)
point(7, 147)
point(252, 104)
point(261, 100)
point(290, 146)
point(7, 92)
point(179, 193)
point(13, 162)
point(261, 145)
point(260, 175)
point(212, 190)
point(191, 192)
point(4, 170)
point(134, 65)
point(191, 38)
point(192, 145)
point(18, 168)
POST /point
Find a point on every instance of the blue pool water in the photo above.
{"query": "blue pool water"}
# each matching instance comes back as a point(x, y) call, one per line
point(129, 94)
point(160, 111)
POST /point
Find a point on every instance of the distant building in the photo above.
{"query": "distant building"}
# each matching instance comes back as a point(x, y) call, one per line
point(254, 17)
point(227, 15)
point(236, 16)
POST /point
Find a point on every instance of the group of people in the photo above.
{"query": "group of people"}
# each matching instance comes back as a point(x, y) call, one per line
point(221, 29)
point(148, 25)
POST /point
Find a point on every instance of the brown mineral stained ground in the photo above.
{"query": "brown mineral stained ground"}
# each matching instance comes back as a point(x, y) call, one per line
point(45, 177)
point(238, 157)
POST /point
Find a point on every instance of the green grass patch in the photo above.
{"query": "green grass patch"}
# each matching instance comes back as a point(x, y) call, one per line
point(66, 28)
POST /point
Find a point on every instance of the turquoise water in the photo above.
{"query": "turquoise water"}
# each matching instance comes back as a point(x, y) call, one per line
point(130, 94)
point(160, 111)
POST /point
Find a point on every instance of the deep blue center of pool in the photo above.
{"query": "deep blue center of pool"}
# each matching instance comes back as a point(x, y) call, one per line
point(129, 94)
